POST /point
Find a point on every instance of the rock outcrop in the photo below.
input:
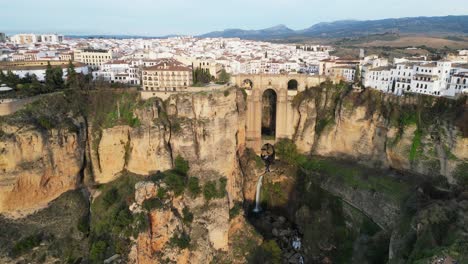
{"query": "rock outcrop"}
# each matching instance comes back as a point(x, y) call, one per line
point(383, 130)
point(37, 166)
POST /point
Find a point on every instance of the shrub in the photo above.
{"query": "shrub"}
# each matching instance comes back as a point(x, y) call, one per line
point(98, 250)
point(153, 203)
point(182, 241)
point(222, 188)
point(158, 176)
point(141, 222)
point(111, 196)
point(175, 182)
point(26, 244)
point(209, 190)
point(181, 165)
point(83, 224)
point(287, 151)
point(268, 252)
point(461, 174)
point(194, 186)
point(162, 193)
point(187, 216)
point(235, 210)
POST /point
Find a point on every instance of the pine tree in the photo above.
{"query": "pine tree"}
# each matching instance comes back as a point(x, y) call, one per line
point(71, 76)
point(58, 78)
point(49, 77)
point(224, 77)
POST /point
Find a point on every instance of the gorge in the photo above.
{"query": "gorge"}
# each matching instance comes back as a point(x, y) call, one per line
point(364, 178)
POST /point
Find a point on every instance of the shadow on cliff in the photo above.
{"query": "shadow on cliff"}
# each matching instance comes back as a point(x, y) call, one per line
point(336, 208)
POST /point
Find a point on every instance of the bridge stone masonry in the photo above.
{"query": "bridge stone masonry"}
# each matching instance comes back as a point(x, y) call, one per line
point(270, 114)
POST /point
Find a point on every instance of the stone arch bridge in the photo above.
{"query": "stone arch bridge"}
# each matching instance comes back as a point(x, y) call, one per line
point(270, 115)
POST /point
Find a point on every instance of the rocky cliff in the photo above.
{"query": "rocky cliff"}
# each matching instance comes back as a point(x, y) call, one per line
point(414, 133)
point(98, 139)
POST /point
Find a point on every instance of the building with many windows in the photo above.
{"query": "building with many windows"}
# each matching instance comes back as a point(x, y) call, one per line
point(38, 68)
point(25, 39)
point(431, 78)
point(166, 75)
point(118, 71)
point(93, 57)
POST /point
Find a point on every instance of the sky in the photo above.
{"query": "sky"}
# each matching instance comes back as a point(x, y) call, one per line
point(192, 17)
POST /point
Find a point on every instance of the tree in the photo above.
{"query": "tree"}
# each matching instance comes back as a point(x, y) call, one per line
point(357, 75)
point(72, 78)
point(201, 76)
point(224, 77)
point(49, 76)
point(54, 77)
point(58, 78)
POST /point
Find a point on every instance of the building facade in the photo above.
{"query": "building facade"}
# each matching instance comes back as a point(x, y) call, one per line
point(38, 68)
point(93, 57)
point(441, 78)
point(167, 75)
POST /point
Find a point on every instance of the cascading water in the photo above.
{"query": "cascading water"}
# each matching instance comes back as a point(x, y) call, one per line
point(257, 195)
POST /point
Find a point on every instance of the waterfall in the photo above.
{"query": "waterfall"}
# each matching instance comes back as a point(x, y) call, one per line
point(257, 195)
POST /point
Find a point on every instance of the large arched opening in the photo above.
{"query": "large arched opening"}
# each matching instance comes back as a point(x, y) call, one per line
point(269, 100)
point(292, 84)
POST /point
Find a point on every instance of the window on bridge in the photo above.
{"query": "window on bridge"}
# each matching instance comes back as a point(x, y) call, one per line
point(247, 84)
point(292, 85)
point(269, 100)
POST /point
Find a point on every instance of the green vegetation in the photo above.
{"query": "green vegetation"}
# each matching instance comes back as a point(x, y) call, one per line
point(181, 241)
point(286, 150)
point(209, 190)
point(212, 190)
point(327, 98)
point(181, 166)
point(175, 181)
point(153, 203)
point(359, 176)
point(187, 216)
point(201, 76)
point(194, 186)
point(111, 221)
point(415, 150)
point(268, 252)
point(83, 224)
point(461, 174)
point(121, 113)
point(223, 77)
point(26, 244)
point(235, 210)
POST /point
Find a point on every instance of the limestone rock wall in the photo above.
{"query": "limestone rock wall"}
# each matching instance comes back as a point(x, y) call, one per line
point(37, 166)
point(341, 126)
point(207, 130)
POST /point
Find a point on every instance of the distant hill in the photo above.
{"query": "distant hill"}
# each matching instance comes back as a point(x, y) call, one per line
point(353, 28)
point(276, 31)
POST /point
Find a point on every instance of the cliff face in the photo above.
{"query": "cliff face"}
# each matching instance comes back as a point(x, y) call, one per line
point(207, 130)
point(408, 134)
point(39, 163)
point(37, 166)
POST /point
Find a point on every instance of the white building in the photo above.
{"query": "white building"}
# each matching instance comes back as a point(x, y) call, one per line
point(39, 68)
point(430, 78)
point(118, 71)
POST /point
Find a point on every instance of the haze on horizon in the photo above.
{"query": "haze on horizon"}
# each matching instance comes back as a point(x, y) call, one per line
point(157, 18)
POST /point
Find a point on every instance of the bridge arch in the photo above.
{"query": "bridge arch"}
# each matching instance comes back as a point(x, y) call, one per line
point(293, 84)
point(269, 108)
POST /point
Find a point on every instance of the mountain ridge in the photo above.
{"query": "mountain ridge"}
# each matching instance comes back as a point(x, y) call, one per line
point(352, 28)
